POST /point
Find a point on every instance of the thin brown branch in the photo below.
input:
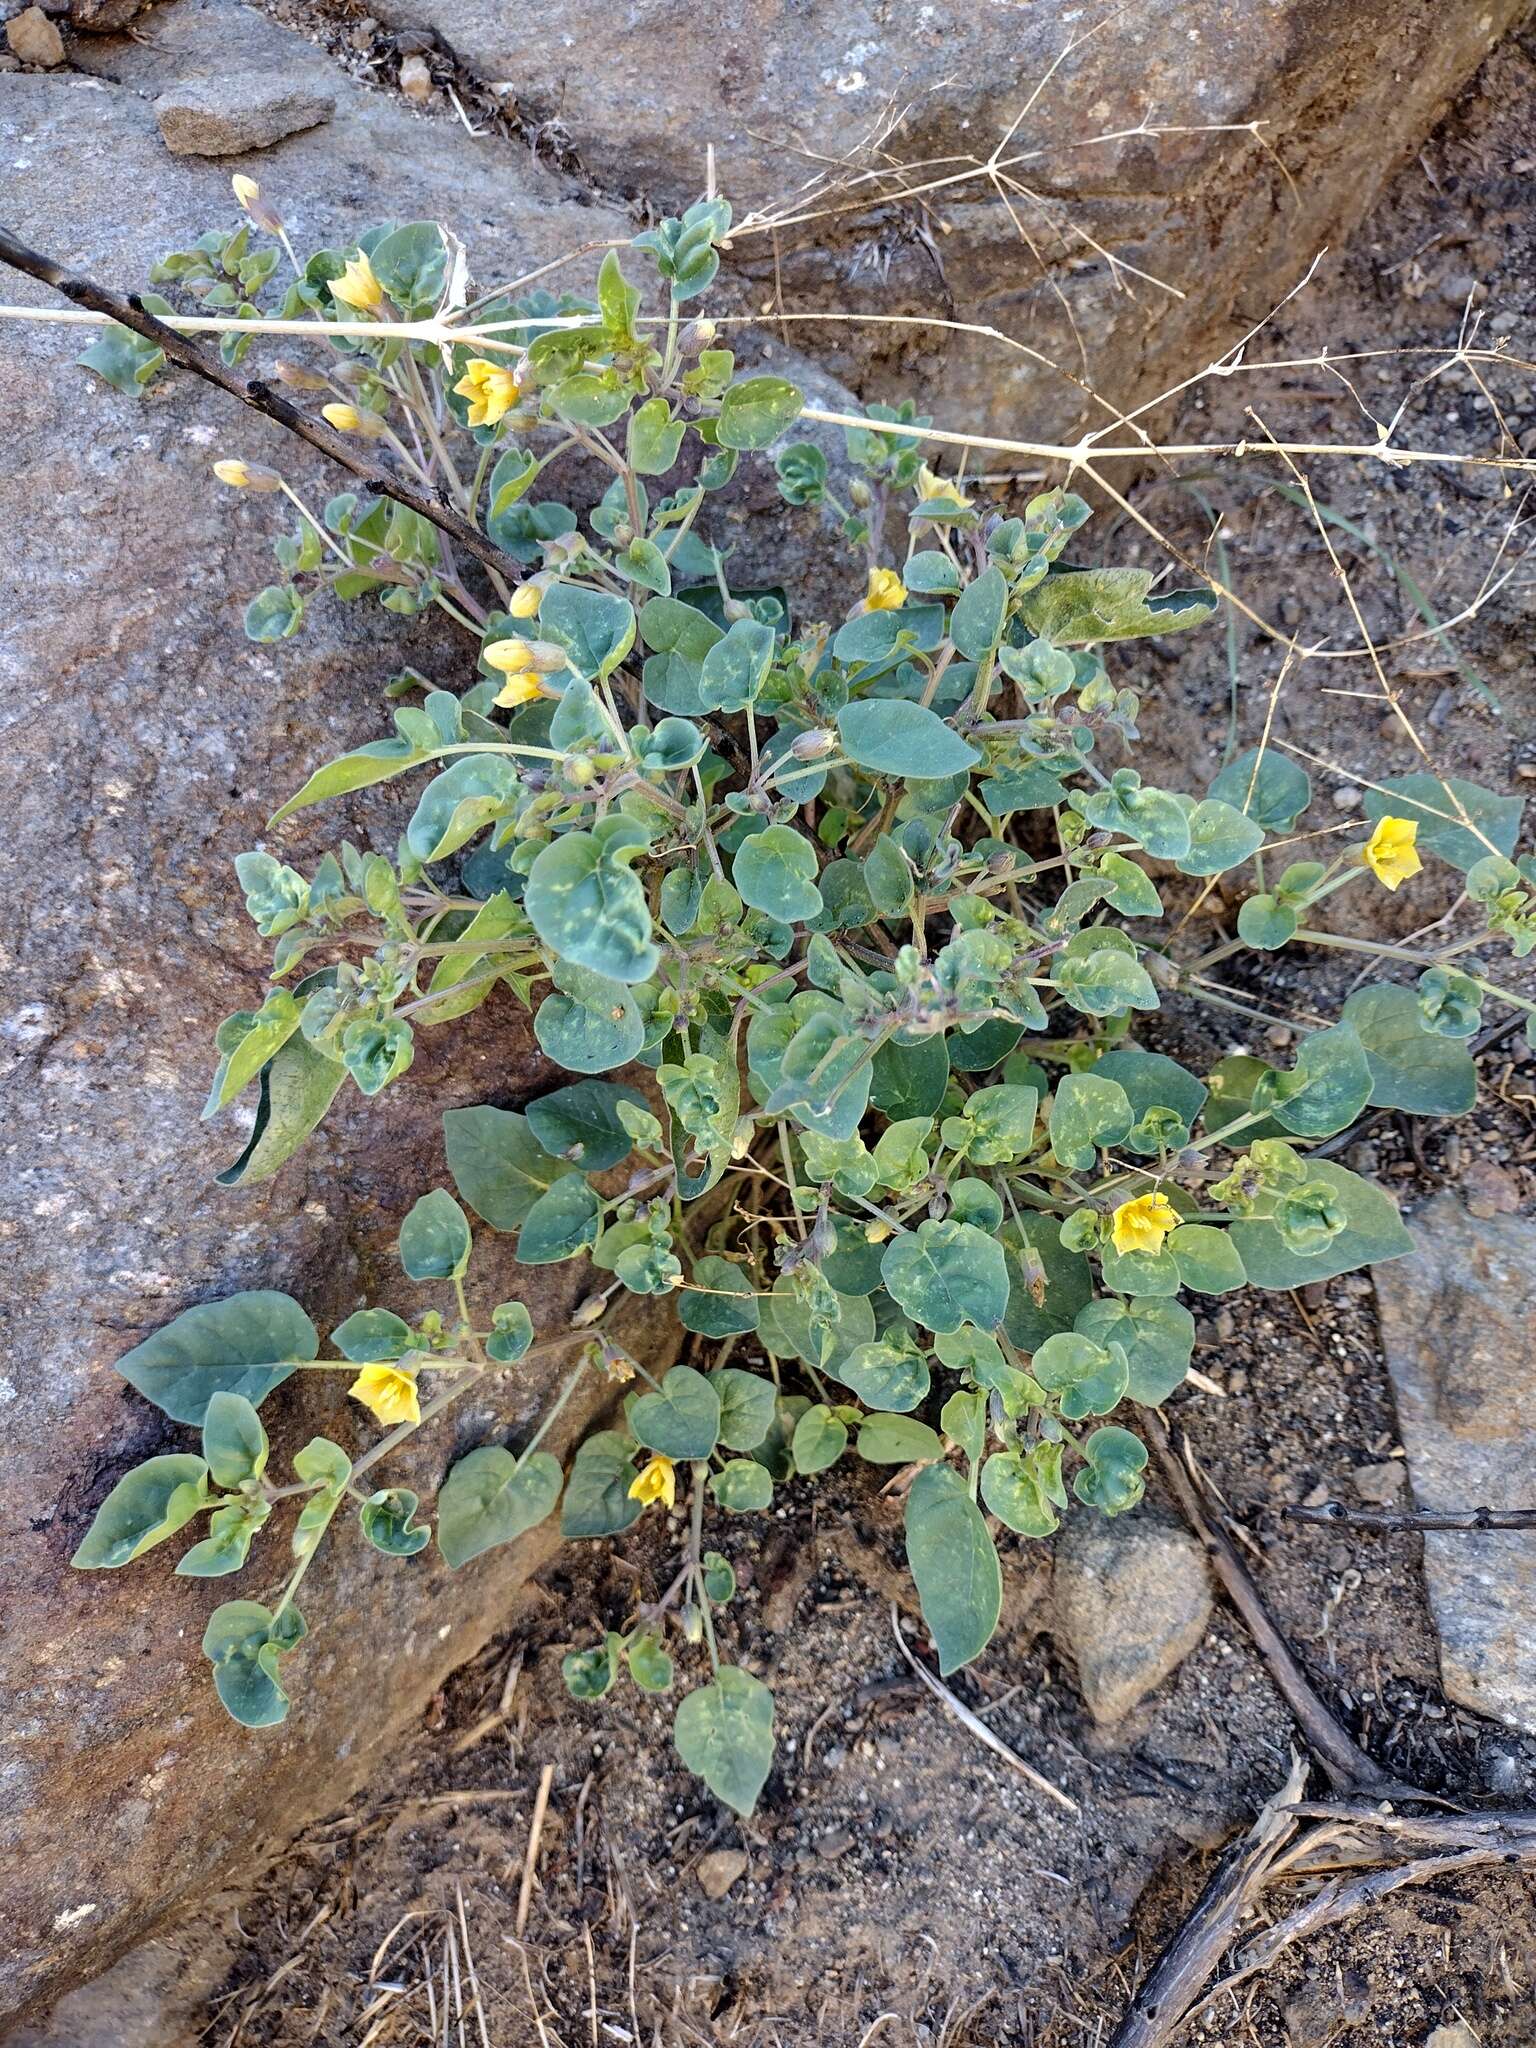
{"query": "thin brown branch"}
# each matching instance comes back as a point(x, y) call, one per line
point(130, 312)
point(1389, 1521)
point(1190, 1959)
point(1347, 1765)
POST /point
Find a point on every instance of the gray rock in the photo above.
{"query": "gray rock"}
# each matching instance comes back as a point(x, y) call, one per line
point(146, 742)
point(785, 90)
point(1379, 1485)
point(1133, 1597)
point(1458, 1321)
point(228, 115)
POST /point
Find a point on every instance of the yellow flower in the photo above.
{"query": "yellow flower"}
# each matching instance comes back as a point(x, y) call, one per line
point(657, 1482)
point(518, 689)
point(930, 486)
point(526, 600)
point(491, 391)
point(358, 287)
point(245, 189)
point(1390, 853)
point(887, 592)
point(347, 419)
point(388, 1393)
point(1141, 1225)
point(508, 657)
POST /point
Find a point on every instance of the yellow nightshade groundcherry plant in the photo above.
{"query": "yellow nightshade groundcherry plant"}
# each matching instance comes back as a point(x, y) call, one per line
point(849, 935)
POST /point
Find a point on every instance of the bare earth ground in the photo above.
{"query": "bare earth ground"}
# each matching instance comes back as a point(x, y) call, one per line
point(900, 1884)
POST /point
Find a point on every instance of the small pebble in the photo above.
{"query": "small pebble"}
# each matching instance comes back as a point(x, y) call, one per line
point(416, 80)
point(1346, 798)
point(719, 1870)
point(1379, 1485)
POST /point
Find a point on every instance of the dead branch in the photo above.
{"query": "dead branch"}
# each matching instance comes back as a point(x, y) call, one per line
point(1188, 1962)
point(1390, 1521)
point(130, 312)
point(1347, 1765)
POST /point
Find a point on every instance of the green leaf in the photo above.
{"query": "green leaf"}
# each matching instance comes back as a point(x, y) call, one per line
point(746, 1407)
point(386, 1519)
point(910, 1080)
point(649, 1665)
point(1079, 607)
point(820, 1439)
point(1432, 803)
point(775, 872)
point(148, 1504)
point(1062, 1278)
point(1326, 1089)
point(1088, 1113)
point(1207, 1259)
point(580, 1124)
point(1220, 837)
point(460, 802)
point(497, 1163)
point(1270, 787)
point(597, 1501)
point(1267, 923)
point(1374, 1231)
point(584, 900)
point(561, 1223)
point(681, 1419)
point(1024, 1489)
point(1157, 1337)
point(734, 669)
point(891, 1374)
point(680, 636)
point(490, 1497)
point(742, 1486)
point(364, 766)
point(946, 1274)
point(227, 1545)
point(591, 1024)
point(976, 623)
point(1411, 1068)
point(590, 398)
point(724, 1733)
point(434, 1238)
point(891, 736)
point(1090, 1378)
point(896, 1440)
point(595, 629)
point(588, 1674)
point(297, 1087)
point(124, 358)
point(412, 265)
point(1112, 1478)
point(654, 438)
point(954, 1565)
point(243, 1641)
point(756, 410)
point(728, 1309)
point(1152, 1081)
point(234, 1442)
point(246, 1344)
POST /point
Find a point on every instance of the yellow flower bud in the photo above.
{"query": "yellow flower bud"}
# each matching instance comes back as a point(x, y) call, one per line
point(518, 689)
point(246, 189)
point(246, 476)
point(347, 419)
point(296, 378)
point(357, 286)
point(526, 600)
point(508, 657)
